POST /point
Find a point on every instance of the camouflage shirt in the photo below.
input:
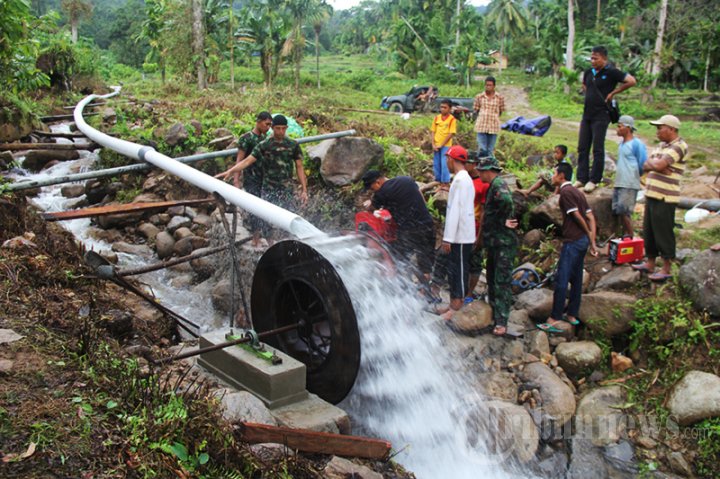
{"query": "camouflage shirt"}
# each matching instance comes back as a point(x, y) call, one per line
point(499, 207)
point(276, 159)
point(252, 175)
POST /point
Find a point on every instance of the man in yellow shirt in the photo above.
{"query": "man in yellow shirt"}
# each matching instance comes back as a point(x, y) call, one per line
point(443, 130)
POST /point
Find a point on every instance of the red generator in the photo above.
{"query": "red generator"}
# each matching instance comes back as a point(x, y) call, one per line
point(378, 223)
point(626, 250)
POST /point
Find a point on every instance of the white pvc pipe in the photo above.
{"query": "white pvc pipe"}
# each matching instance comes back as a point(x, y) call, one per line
point(273, 214)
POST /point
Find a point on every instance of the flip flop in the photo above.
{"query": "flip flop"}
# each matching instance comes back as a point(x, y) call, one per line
point(574, 322)
point(548, 328)
point(659, 276)
point(642, 267)
point(468, 300)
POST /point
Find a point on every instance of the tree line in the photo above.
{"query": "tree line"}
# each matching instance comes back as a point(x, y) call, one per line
point(674, 42)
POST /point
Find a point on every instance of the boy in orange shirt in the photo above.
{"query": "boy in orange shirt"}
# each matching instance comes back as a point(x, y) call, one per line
point(443, 130)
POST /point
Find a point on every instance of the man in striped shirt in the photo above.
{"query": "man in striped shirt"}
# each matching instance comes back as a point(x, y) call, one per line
point(665, 166)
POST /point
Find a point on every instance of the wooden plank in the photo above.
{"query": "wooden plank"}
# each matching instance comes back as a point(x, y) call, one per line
point(47, 146)
point(316, 442)
point(119, 209)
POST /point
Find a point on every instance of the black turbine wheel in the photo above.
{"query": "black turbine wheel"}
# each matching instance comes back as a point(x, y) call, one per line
point(294, 284)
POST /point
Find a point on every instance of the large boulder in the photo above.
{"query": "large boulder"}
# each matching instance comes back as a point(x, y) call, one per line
point(35, 160)
point(695, 397)
point(14, 124)
point(514, 431)
point(164, 244)
point(239, 406)
point(547, 213)
point(607, 312)
point(344, 160)
point(176, 134)
point(499, 385)
point(598, 418)
point(558, 400)
point(578, 357)
point(472, 318)
point(620, 278)
point(600, 201)
point(537, 302)
point(700, 277)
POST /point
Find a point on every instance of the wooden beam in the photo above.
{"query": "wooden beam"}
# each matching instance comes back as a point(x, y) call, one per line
point(316, 442)
point(120, 209)
point(48, 146)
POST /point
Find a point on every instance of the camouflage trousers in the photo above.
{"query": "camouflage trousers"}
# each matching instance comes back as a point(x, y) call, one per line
point(499, 267)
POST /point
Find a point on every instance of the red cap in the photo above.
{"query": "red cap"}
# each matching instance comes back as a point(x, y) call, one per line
point(458, 153)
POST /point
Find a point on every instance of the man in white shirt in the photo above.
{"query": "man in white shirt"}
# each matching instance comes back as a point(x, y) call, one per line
point(459, 234)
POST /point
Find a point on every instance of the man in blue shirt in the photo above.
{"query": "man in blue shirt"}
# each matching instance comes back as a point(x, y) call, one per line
point(631, 157)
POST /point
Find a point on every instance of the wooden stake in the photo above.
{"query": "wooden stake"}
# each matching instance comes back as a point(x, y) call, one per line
point(316, 442)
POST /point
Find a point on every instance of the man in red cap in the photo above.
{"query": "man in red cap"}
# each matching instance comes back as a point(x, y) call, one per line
point(459, 234)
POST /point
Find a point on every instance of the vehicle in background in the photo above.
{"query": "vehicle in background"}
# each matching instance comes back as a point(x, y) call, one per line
point(426, 99)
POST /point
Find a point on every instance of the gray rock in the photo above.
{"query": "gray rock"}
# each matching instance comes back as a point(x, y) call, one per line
point(8, 336)
point(700, 277)
point(136, 249)
point(222, 142)
point(340, 468)
point(586, 461)
point(695, 397)
point(620, 459)
point(558, 398)
point(36, 160)
point(178, 222)
point(6, 366)
point(72, 191)
point(600, 201)
point(6, 159)
point(221, 296)
point(533, 238)
point(472, 318)
point(148, 230)
point(499, 385)
point(182, 232)
point(108, 115)
point(537, 303)
point(220, 132)
point(607, 312)
point(578, 357)
point(176, 134)
point(597, 418)
point(343, 161)
point(538, 343)
point(515, 432)
point(164, 244)
point(197, 127)
point(119, 221)
point(620, 278)
point(203, 220)
point(683, 255)
point(160, 219)
point(204, 267)
point(241, 406)
point(547, 213)
point(679, 465)
point(396, 149)
point(184, 246)
point(521, 319)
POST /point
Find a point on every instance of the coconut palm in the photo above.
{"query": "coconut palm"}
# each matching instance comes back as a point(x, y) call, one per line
point(302, 13)
point(509, 17)
point(76, 10)
point(324, 12)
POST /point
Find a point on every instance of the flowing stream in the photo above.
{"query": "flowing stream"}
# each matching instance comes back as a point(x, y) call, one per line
point(409, 390)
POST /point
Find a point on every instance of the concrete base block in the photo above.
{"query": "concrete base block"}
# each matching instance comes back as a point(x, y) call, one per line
point(315, 414)
point(276, 385)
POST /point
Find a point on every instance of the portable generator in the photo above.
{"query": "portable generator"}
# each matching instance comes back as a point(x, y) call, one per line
point(626, 250)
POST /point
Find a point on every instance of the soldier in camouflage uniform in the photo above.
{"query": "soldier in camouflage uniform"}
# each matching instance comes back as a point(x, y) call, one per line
point(252, 175)
point(499, 241)
point(275, 158)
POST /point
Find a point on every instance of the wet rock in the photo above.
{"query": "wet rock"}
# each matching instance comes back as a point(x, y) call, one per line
point(533, 238)
point(340, 468)
point(343, 161)
point(499, 385)
point(700, 277)
point(119, 221)
point(182, 232)
point(597, 418)
point(8, 336)
point(515, 432)
point(164, 244)
point(6, 159)
point(184, 246)
point(149, 230)
point(646, 442)
point(679, 465)
point(136, 249)
point(537, 303)
point(203, 267)
point(36, 160)
point(239, 406)
point(72, 191)
point(176, 134)
point(472, 318)
point(607, 312)
point(558, 398)
point(178, 222)
point(578, 357)
point(203, 220)
point(620, 278)
point(695, 397)
point(221, 296)
point(314, 414)
point(552, 465)
point(538, 343)
point(620, 459)
point(160, 219)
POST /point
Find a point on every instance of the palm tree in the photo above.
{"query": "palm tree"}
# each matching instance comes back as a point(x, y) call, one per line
point(265, 30)
point(509, 17)
point(655, 69)
point(569, 49)
point(198, 42)
point(318, 20)
point(303, 12)
point(76, 10)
